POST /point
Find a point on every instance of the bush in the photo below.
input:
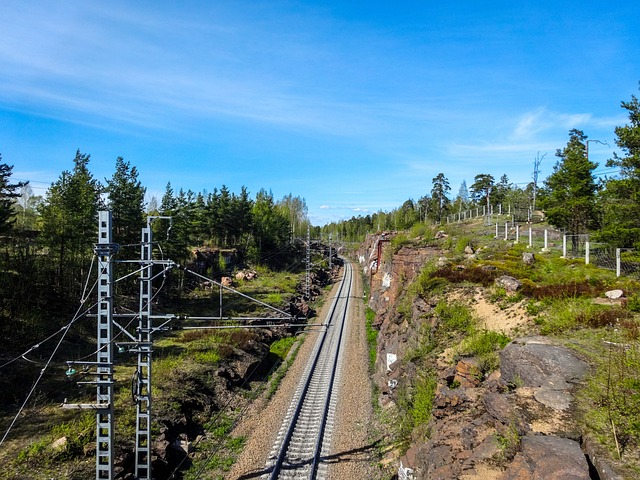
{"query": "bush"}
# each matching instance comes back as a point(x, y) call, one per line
point(455, 316)
point(423, 396)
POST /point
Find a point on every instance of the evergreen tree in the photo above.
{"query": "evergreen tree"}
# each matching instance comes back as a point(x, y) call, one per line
point(8, 195)
point(501, 191)
point(481, 189)
point(439, 196)
point(462, 200)
point(126, 202)
point(570, 203)
point(621, 197)
point(69, 216)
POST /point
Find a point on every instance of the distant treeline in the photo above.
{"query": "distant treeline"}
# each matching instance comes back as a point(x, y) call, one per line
point(575, 197)
point(47, 243)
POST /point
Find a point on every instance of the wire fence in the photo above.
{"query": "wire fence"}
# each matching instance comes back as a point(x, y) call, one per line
point(624, 261)
point(516, 214)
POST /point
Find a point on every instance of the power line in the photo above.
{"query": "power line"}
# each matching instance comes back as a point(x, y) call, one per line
point(44, 369)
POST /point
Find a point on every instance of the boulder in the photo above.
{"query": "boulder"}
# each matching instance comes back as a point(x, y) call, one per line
point(468, 373)
point(469, 250)
point(528, 258)
point(510, 284)
point(614, 294)
point(545, 457)
point(60, 444)
point(535, 362)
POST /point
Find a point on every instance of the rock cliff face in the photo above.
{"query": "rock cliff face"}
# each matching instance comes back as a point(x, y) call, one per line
point(389, 274)
point(516, 423)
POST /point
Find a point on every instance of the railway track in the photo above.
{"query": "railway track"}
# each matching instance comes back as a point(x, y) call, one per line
point(304, 438)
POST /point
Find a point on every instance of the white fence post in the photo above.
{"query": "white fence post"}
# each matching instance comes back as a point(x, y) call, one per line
point(564, 246)
point(546, 240)
point(496, 230)
point(530, 238)
point(517, 233)
point(618, 262)
point(586, 252)
point(506, 230)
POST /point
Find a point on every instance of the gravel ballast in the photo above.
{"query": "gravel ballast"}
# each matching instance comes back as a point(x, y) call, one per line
point(351, 448)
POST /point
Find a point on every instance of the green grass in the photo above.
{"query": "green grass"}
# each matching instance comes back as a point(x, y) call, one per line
point(372, 337)
point(485, 345)
point(455, 316)
point(281, 347)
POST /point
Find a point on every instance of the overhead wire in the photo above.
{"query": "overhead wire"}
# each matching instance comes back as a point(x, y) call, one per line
point(66, 329)
point(37, 345)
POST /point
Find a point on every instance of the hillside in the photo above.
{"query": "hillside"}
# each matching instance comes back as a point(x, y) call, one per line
point(493, 359)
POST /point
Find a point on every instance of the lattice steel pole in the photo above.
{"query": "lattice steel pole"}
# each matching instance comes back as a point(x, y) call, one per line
point(104, 250)
point(144, 350)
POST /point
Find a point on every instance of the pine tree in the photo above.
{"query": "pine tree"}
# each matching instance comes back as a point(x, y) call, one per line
point(621, 197)
point(126, 201)
point(439, 196)
point(8, 194)
point(571, 200)
point(70, 222)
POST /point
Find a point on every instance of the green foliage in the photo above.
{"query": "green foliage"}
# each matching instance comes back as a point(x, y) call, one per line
point(69, 225)
point(633, 302)
point(279, 374)
point(419, 229)
point(78, 433)
point(282, 346)
point(621, 197)
point(455, 316)
point(509, 440)
point(570, 313)
point(398, 241)
point(570, 204)
point(126, 202)
point(484, 345)
point(8, 194)
point(424, 392)
point(372, 337)
point(462, 243)
point(610, 399)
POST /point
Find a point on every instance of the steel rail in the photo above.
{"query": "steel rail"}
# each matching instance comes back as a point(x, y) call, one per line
point(312, 372)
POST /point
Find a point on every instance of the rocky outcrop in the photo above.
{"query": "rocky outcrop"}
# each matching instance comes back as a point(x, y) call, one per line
point(548, 457)
point(517, 422)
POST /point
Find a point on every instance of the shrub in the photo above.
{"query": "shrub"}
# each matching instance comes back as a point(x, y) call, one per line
point(399, 241)
point(455, 316)
point(423, 395)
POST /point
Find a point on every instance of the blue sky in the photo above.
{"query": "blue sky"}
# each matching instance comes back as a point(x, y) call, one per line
point(354, 106)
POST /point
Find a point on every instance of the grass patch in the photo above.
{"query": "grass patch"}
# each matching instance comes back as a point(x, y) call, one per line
point(281, 347)
point(485, 345)
point(372, 337)
point(278, 375)
point(455, 317)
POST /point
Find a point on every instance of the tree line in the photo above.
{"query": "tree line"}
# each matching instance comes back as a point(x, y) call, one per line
point(48, 242)
point(572, 198)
